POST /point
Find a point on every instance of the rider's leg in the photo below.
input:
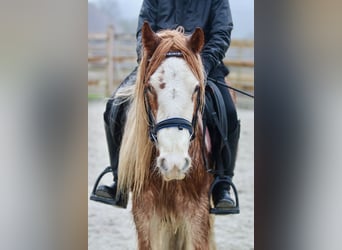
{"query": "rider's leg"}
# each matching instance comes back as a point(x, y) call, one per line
point(114, 121)
point(221, 193)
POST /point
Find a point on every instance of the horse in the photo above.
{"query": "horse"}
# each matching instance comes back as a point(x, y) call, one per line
point(161, 155)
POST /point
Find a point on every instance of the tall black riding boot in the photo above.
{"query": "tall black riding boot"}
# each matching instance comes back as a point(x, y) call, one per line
point(221, 193)
point(114, 120)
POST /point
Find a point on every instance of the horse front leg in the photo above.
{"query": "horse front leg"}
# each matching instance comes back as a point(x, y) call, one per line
point(201, 225)
point(146, 222)
point(142, 217)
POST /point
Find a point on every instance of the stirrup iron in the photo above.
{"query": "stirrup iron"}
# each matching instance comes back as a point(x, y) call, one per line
point(224, 211)
point(121, 201)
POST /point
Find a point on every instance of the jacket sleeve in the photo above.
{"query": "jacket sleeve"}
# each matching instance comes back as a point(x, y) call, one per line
point(221, 25)
point(148, 12)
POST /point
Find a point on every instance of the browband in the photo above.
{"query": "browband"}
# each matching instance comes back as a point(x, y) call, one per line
point(174, 54)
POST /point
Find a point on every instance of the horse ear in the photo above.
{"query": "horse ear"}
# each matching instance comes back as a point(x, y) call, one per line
point(150, 40)
point(196, 40)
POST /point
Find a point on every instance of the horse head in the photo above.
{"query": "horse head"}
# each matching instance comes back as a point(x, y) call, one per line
point(173, 92)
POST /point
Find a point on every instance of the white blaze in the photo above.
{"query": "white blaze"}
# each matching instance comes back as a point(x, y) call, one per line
point(174, 84)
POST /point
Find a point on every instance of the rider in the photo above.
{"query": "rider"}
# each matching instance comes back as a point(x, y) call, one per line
point(214, 17)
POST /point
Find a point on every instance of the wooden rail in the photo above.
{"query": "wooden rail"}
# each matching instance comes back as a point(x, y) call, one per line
point(112, 56)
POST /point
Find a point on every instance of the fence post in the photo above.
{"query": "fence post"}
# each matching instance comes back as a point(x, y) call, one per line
point(110, 74)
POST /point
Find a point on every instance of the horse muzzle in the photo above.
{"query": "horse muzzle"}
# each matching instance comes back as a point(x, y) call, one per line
point(173, 166)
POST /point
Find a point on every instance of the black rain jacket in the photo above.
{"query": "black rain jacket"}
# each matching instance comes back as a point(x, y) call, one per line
point(213, 16)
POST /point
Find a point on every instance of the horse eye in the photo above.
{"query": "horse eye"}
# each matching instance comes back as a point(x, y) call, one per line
point(150, 88)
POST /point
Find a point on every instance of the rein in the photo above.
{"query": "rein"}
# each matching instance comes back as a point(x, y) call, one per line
point(174, 122)
point(229, 87)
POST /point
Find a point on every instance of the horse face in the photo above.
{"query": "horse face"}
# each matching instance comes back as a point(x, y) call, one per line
point(174, 85)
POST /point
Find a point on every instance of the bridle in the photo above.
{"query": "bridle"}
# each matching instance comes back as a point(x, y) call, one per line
point(173, 122)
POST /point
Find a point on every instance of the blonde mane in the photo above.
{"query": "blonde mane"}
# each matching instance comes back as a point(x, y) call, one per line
point(137, 151)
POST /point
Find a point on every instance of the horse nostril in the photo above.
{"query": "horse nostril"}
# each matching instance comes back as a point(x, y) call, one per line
point(187, 163)
point(162, 163)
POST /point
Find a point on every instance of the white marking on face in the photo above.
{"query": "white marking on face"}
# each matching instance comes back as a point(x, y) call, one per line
point(174, 100)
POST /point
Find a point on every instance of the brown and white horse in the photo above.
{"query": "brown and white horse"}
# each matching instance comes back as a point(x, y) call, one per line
point(166, 175)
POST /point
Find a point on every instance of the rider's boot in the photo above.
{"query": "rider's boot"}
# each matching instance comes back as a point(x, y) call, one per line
point(114, 120)
point(221, 193)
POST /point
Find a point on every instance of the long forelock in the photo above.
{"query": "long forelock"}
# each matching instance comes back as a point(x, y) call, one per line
point(173, 40)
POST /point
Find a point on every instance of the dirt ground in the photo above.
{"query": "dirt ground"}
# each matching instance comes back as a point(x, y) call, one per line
point(113, 228)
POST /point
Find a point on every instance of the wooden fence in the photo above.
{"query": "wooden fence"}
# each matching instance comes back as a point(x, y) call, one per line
point(111, 57)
